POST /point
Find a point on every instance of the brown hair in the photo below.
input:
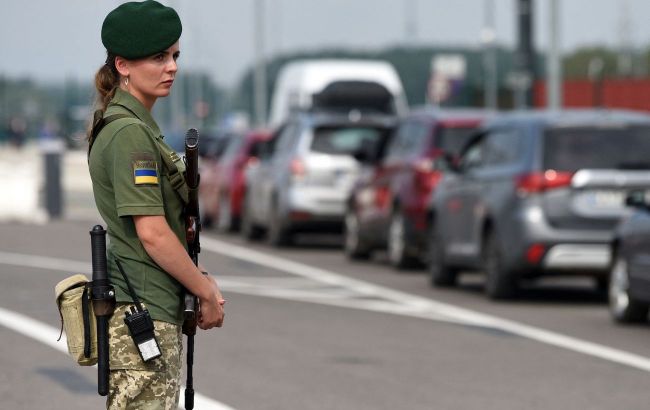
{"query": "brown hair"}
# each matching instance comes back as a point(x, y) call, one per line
point(107, 80)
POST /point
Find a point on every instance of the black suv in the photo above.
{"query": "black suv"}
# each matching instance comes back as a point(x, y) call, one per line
point(537, 193)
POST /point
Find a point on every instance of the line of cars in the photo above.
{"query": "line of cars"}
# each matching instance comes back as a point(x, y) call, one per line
point(515, 195)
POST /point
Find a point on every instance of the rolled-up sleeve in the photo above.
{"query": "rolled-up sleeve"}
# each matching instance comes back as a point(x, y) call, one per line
point(136, 172)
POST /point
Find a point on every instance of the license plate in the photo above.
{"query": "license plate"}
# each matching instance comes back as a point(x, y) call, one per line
point(607, 199)
point(599, 201)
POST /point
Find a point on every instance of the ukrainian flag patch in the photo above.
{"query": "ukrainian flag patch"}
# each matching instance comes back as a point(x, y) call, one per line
point(145, 173)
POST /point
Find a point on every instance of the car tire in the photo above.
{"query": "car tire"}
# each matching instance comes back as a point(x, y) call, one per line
point(500, 282)
point(278, 234)
point(249, 230)
point(442, 275)
point(225, 222)
point(353, 245)
point(622, 307)
point(397, 244)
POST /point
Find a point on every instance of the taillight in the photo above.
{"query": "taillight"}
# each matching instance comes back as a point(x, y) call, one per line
point(536, 182)
point(534, 253)
point(426, 176)
point(297, 168)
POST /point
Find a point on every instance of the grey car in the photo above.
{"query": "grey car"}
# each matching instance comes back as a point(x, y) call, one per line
point(629, 285)
point(306, 172)
point(538, 193)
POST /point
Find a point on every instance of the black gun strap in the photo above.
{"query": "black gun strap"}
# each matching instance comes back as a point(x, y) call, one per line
point(134, 296)
point(85, 311)
point(176, 179)
point(99, 122)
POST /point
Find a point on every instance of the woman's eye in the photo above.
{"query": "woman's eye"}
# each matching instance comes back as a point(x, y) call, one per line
point(159, 57)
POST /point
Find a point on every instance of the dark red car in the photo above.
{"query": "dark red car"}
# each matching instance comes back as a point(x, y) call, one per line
point(229, 172)
point(387, 208)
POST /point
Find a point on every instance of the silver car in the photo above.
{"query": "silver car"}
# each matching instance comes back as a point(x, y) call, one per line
point(306, 173)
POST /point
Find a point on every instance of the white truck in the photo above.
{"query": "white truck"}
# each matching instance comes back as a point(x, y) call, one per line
point(300, 82)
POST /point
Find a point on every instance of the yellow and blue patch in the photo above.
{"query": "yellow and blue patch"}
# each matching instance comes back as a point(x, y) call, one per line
point(145, 173)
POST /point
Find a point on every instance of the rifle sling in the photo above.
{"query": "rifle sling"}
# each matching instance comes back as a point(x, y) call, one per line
point(176, 179)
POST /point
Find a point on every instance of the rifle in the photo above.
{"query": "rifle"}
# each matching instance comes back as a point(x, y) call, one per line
point(193, 248)
point(103, 298)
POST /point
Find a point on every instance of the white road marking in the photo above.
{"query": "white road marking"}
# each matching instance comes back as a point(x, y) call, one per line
point(48, 335)
point(428, 308)
point(386, 300)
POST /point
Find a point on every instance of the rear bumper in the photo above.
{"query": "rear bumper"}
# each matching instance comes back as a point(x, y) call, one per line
point(320, 203)
point(578, 256)
point(565, 251)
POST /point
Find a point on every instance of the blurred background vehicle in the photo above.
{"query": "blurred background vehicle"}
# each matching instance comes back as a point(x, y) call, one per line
point(300, 82)
point(629, 281)
point(305, 175)
point(307, 170)
point(211, 148)
point(387, 207)
point(230, 172)
point(538, 193)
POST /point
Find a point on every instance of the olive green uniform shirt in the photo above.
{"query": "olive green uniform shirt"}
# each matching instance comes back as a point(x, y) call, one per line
point(129, 178)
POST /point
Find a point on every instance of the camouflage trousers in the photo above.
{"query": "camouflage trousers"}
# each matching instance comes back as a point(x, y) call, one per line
point(134, 384)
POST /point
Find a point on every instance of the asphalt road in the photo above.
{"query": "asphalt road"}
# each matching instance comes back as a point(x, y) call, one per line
point(307, 329)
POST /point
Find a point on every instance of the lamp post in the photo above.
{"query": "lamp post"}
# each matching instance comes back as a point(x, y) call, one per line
point(259, 83)
point(488, 40)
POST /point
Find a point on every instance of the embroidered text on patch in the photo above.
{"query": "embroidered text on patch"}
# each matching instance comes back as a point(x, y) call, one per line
point(145, 173)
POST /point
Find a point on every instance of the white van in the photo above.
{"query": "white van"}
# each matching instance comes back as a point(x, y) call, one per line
point(299, 81)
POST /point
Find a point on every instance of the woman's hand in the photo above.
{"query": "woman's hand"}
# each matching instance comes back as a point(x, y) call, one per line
point(211, 306)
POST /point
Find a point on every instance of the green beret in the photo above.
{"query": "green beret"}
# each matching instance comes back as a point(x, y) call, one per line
point(139, 29)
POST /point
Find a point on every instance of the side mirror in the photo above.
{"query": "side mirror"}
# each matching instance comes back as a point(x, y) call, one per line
point(361, 156)
point(365, 155)
point(451, 162)
point(636, 199)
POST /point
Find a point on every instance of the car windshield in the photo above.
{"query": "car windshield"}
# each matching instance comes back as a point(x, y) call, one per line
point(345, 140)
point(453, 139)
point(572, 149)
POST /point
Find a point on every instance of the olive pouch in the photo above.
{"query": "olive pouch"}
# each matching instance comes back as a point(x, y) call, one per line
point(73, 299)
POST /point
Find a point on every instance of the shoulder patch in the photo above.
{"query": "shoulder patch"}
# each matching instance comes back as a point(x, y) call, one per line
point(145, 169)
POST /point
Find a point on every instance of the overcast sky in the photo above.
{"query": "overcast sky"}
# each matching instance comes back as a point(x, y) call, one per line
point(52, 40)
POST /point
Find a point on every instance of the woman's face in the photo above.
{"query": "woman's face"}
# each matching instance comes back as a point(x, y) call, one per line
point(151, 77)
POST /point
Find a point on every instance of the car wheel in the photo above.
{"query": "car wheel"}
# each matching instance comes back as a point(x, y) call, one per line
point(225, 222)
point(397, 246)
point(500, 283)
point(353, 245)
point(442, 275)
point(278, 234)
point(249, 230)
point(622, 307)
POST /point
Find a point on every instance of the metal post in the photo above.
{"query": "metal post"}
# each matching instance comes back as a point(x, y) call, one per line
point(488, 38)
point(259, 86)
point(411, 21)
point(553, 61)
point(525, 56)
point(52, 153)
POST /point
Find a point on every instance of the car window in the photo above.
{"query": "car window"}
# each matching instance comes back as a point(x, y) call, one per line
point(502, 146)
point(267, 148)
point(571, 149)
point(396, 145)
point(417, 138)
point(346, 140)
point(472, 156)
point(286, 140)
point(232, 148)
point(410, 138)
point(453, 139)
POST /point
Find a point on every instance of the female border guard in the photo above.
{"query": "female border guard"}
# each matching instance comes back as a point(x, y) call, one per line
point(130, 169)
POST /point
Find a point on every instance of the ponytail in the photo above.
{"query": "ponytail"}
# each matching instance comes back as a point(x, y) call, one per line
point(107, 80)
